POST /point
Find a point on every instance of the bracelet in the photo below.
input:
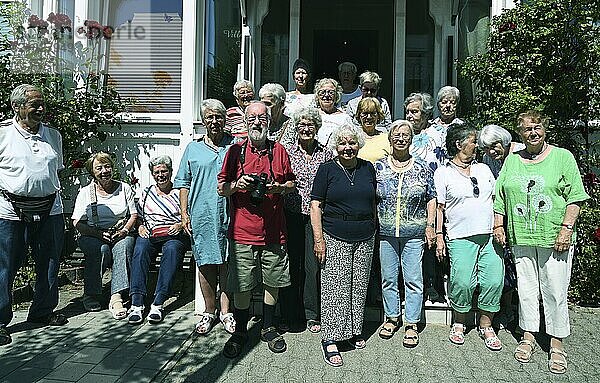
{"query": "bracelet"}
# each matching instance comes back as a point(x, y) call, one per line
point(431, 225)
point(439, 232)
point(567, 226)
point(497, 227)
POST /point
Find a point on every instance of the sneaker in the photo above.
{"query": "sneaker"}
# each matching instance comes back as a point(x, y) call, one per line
point(136, 315)
point(155, 315)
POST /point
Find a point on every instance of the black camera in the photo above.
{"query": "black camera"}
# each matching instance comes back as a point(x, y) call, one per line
point(257, 195)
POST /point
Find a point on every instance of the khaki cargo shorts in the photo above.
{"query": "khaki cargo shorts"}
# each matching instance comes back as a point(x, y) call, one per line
point(251, 265)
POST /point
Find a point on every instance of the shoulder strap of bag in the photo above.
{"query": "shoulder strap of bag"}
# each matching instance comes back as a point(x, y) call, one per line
point(94, 205)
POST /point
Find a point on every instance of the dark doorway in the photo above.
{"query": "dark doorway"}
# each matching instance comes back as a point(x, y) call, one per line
point(332, 47)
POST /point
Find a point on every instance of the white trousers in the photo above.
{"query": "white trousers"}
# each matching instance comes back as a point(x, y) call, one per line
point(547, 272)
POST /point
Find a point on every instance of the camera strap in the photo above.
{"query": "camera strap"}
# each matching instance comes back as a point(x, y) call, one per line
point(270, 145)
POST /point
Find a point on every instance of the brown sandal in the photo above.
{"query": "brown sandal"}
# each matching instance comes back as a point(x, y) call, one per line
point(389, 328)
point(557, 365)
point(411, 336)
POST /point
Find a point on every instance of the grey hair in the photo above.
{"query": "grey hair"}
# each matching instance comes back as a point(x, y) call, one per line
point(425, 100)
point(336, 85)
point(18, 96)
point(343, 131)
point(458, 132)
point(369, 76)
point(258, 102)
point(307, 113)
point(398, 124)
point(448, 91)
point(347, 64)
point(214, 105)
point(242, 84)
point(491, 134)
point(272, 89)
point(161, 160)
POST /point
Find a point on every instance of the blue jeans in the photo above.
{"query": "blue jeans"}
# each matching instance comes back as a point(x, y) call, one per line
point(46, 240)
point(98, 256)
point(408, 254)
point(172, 254)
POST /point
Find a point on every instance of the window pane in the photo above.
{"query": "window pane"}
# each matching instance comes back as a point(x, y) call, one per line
point(275, 43)
point(145, 53)
point(222, 49)
point(420, 34)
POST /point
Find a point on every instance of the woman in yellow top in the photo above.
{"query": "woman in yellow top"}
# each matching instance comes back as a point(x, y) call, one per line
point(377, 145)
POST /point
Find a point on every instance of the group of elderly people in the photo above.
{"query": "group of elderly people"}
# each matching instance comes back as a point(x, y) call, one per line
point(298, 202)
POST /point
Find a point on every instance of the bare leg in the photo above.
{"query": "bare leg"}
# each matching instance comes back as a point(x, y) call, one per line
point(208, 284)
point(224, 297)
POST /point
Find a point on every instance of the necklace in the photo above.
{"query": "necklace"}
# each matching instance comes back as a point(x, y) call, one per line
point(403, 165)
point(534, 156)
point(463, 166)
point(348, 175)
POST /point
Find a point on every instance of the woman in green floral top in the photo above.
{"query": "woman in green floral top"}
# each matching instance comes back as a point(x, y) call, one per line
point(539, 192)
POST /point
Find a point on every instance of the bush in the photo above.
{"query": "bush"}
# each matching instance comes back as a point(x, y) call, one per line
point(545, 55)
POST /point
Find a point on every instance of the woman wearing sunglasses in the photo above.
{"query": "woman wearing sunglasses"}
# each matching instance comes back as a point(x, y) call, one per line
point(464, 214)
point(327, 95)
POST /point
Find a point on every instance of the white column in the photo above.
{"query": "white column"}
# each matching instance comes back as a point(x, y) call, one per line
point(399, 56)
point(294, 37)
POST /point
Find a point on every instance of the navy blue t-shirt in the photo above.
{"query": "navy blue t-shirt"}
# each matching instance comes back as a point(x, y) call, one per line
point(347, 209)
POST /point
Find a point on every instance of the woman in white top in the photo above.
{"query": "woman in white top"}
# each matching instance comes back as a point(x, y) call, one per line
point(301, 96)
point(327, 95)
point(105, 215)
point(464, 196)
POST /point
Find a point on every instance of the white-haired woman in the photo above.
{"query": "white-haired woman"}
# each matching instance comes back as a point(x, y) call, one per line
point(342, 214)
point(327, 95)
point(347, 74)
point(204, 213)
point(369, 87)
point(243, 91)
point(447, 103)
point(161, 230)
point(305, 157)
point(280, 130)
point(496, 143)
point(428, 144)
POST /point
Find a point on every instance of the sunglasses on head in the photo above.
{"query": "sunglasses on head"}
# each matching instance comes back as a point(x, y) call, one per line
point(475, 186)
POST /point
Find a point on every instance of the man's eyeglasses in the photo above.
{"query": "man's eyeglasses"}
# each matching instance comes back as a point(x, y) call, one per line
point(475, 187)
point(326, 92)
point(262, 118)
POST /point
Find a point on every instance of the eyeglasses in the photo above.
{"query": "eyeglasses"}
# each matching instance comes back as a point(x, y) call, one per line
point(368, 90)
point(262, 118)
point(401, 137)
point(475, 186)
point(303, 125)
point(367, 114)
point(328, 92)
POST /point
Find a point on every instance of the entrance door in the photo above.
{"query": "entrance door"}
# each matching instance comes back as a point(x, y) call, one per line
point(334, 31)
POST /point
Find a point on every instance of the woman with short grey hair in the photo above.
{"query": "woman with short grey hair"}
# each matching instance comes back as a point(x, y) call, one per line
point(342, 214)
point(280, 130)
point(447, 102)
point(300, 301)
point(369, 87)
point(160, 230)
point(243, 91)
point(204, 214)
point(496, 142)
point(327, 95)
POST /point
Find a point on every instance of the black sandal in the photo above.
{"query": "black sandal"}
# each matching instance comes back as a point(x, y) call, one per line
point(409, 340)
point(274, 340)
point(327, 355)
point(4, 336)
point(387, 333)
point(54, 319)
point(233, 346)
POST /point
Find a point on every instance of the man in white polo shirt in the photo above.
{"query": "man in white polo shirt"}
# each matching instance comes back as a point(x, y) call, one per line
point(30, 207)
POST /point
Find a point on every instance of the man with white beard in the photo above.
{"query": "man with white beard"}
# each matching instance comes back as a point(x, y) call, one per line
point(255, 174)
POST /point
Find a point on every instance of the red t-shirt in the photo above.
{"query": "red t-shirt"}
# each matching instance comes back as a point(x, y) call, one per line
point(249, 224)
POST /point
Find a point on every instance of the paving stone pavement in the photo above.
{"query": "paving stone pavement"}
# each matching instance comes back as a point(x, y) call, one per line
point(93, 347)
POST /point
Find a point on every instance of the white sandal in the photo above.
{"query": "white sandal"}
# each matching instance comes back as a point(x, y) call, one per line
point(205, 324)
point(228, 322)
point(117, 313)
point(457, 337)
point(136, 315)
point(155, 315)
point(493, 342)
